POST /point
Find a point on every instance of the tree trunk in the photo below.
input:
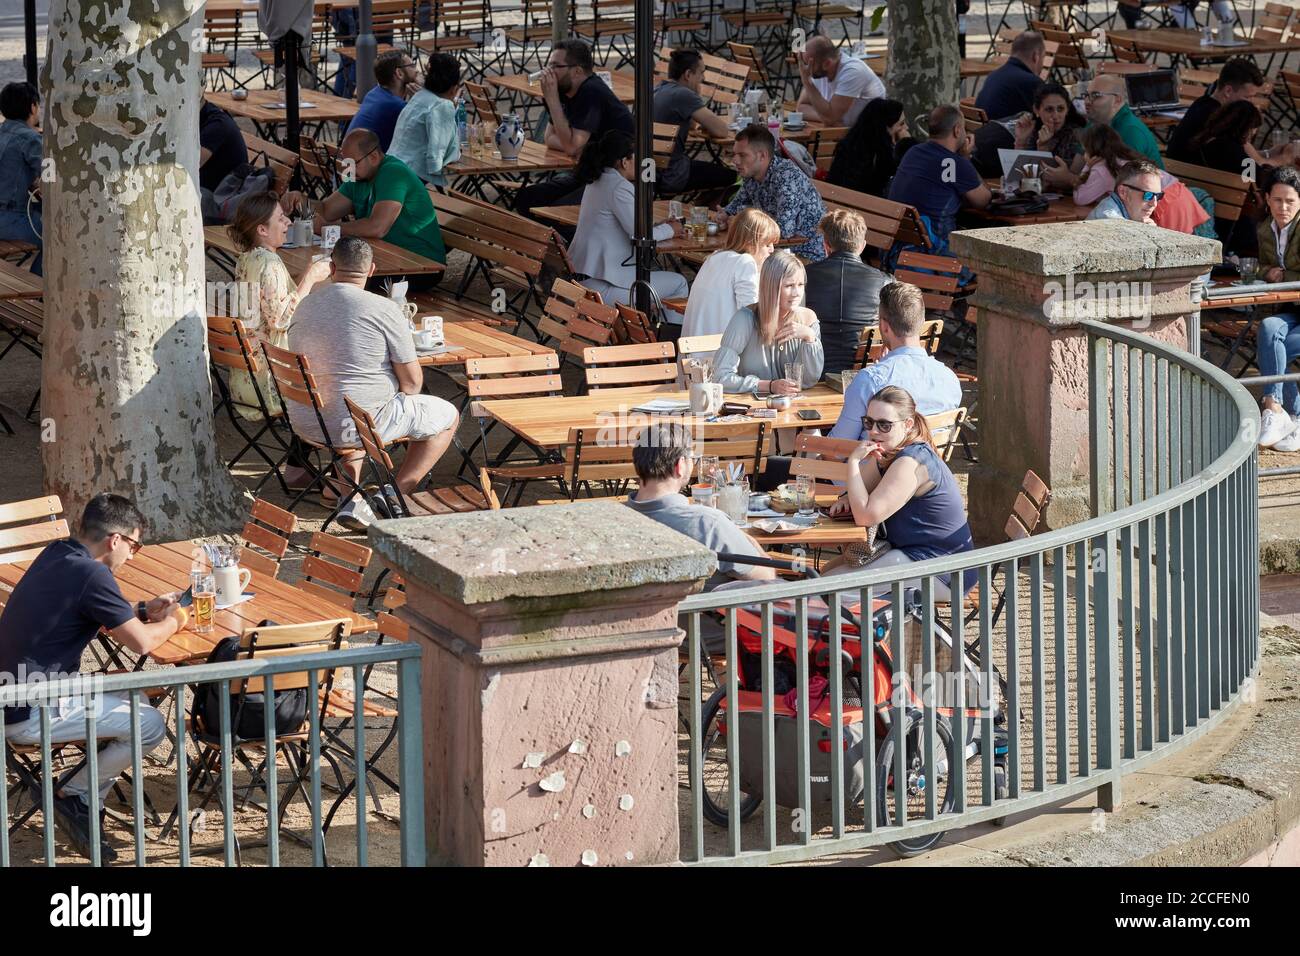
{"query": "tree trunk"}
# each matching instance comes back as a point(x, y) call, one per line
point(125, 391)
point(924, 69)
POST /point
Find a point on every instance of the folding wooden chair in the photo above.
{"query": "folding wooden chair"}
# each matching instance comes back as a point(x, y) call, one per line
point(26, 527)
point(633, 327)
point(623, 366)
point(574, 319)
point(266, 537)
point(512, 377)
point(232, 348)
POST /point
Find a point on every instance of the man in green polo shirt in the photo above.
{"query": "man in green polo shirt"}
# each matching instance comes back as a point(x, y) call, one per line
point(1105, 103)
point(386, 200)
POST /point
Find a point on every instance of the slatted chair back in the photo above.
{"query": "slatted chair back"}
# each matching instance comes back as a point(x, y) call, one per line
point(633, 327)
point(392, 627)
point(501, 239)
point(593, 455)
point(454, 22)
point(825, 143)
point(521, 376)
point(664, 138)
point(945, 429)
point(295, 382)
point(623, 366)
point(485, 104)
point(230, 347)
point(574, 319)
point(886, 221)
point(1124, 50)
point(26, 527)
point(266, 537)
point(871, 344)
point(973, 115)
point(1230, 190)
point(825, 459)
point(938, 278)
point(289, 640)
point(280, 161)
point(747, 56)
point(699, 348)
point(334, 568)
point(1069, 53)
point(1031, 501)
point(1271, 25)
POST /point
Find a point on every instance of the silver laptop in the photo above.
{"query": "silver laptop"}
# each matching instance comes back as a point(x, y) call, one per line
point(1154, 92)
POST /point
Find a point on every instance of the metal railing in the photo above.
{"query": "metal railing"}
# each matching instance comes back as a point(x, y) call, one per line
point(1107, 645)
point(260, 767)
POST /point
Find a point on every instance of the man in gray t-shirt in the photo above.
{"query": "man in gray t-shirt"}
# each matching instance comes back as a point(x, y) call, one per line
point(678, 101)
point(663, 462)
point(359, 346)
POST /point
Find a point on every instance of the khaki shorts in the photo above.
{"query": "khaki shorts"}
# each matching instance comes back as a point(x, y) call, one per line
point(417, 417)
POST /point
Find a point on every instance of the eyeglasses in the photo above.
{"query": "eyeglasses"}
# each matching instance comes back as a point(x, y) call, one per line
point(1147, 195)
point(133, 544)
point(341, 161)
point(1093, 94)
point(882, 425)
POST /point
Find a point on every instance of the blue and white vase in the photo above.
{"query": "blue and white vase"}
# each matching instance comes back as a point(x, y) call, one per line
point(510, 137)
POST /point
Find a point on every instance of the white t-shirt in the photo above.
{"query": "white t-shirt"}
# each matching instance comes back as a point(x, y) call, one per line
point(854, 78)
point(725, 284)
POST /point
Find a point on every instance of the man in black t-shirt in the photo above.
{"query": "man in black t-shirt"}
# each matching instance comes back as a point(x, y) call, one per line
point(582, 108)
point(678, 101)
point(221, 145)
point(1240, 79)
point(58, 607)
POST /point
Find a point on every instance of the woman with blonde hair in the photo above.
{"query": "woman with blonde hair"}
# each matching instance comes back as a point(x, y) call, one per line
point(897, 481)
point(728, 280)
point(777, 333)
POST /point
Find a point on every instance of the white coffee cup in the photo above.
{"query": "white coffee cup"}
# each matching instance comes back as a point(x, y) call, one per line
point(706, 398)
point(794, 118)
point(231, 581)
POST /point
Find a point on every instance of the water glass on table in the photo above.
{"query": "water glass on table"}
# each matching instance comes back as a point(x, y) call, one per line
point(1249, 268)
point(804, 496)
point(708, 469)
point(793, 373)
point(733, 500)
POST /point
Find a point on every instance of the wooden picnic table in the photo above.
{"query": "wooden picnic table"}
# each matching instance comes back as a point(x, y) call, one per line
point(1178, 43)
point(390, 260)
point(19, 283)
point(1258, 293)
point(533, 158)
point(474, 340)
point(164, 568)
point(314, 107)
point(1063, 209)
point(622, 82)
point(824, 532)
point(545, 422)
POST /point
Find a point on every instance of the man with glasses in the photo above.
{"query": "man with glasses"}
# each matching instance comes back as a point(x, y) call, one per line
point(386, 200)
point(1135, 196)
point(58, 607)
point(398, 78)
point(580, 107)
point(1106, 104)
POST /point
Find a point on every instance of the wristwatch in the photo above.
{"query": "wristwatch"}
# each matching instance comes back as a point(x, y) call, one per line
point(141, 612)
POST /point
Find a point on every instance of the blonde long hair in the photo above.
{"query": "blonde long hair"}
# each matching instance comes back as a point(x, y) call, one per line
point(750, 229)
point(779, 267)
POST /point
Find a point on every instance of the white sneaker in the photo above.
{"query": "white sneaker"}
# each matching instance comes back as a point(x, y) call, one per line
point(1291, 442)
point(1273, 427)
point(356, 514)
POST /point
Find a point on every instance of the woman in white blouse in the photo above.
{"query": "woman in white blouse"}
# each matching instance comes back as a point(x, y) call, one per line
point(602, 242)
point(728, 280)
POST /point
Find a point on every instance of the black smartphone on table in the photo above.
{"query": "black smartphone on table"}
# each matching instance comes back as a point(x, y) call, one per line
point(809, 414)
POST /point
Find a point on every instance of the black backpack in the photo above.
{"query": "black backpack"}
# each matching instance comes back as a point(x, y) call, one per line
point(247, 720)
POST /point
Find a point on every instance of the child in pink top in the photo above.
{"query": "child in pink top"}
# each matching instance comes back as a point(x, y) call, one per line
point(1104, 154)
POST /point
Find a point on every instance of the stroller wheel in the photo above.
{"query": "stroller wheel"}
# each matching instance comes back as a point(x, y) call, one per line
point(916, 783)
point(716, 777)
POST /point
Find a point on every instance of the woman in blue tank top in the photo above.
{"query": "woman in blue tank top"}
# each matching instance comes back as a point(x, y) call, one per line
point(897, 480)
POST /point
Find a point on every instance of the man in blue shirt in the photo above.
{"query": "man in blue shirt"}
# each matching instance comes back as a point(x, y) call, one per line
point(20, 166)
point(1010, 88)
point(906, 363)
point(58, 607)
point(398, 78)
point(938, 178)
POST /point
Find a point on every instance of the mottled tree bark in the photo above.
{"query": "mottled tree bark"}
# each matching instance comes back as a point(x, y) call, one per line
point(125, 382)
point(924, 67)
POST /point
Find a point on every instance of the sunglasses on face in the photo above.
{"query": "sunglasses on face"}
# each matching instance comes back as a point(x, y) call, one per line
point(1147, 195)
point(882, 425)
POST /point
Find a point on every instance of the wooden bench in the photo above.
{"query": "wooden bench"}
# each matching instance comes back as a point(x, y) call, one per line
point(1230, 191)
point(887, 221)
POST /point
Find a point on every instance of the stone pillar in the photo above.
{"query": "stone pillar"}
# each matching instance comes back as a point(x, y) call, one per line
point(549, 680)
point(1036, 283)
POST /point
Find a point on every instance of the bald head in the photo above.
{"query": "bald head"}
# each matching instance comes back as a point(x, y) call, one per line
point(1105, 97)
point(822, 57)
point(360, 151)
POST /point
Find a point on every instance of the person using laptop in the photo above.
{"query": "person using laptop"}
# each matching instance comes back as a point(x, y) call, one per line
point(1240, 79)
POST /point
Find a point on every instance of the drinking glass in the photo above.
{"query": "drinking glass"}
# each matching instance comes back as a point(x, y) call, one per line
point(733, 499)
point(704, 494)
point(709, 469)
point(473, 139)
point(1249, 268)
point(793, 372)
point(699, 223)
point(1278, 140)
point(205, 601)
point(804, 495)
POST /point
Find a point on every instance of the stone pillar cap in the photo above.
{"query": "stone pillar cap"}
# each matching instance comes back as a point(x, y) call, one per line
point(544, 551)
point(1097, 247)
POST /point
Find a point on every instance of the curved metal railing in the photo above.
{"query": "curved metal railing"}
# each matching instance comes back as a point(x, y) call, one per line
point(1122, 639)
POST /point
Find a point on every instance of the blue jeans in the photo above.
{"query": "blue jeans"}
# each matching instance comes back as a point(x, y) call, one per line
point(1278, 342)
point(14, 225)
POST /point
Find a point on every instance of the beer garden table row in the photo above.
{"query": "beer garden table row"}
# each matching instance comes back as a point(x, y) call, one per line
point(390, 260)
point(19, 282)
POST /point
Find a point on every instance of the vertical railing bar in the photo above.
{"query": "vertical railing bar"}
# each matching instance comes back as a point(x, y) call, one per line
point(1099, 392)
point(1192, 603)
point(272, 773)
point(4, 802)
point(313, 746)
point(802, 725)
point(359, 760)
point(1060, 586)
point(1162, 426)
point(137, 779)
point(182, 779)
point(1118, 409)
point(925, 684)
point(957, 664)
point(1107, 670)
point(769, 729)
point(47, 784)
point(1146, 644)
point(866, 603)
point(1085, 563)
point(898, 639)
point(1206, 579)
point(733, 736)
point(1223, 588)
point(989, 690)
point(91, 704)
point(1036, 668)
point(1011, 613)
point(227, 782)
point(1150, 447)
point(411, 769)
point(1128, 640)
point(837, 721)
point(1177, 569)
point(1133, 405)
point(696, 769)
point(1162, 615)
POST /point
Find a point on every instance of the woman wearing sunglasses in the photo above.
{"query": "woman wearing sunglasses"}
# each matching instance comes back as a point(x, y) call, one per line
point(897, 480)
point(1137, 191)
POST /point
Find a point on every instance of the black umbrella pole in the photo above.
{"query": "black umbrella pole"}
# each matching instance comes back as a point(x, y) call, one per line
point(29, 27)
point(291, 41)
point(366, 49)
point(644, 246)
